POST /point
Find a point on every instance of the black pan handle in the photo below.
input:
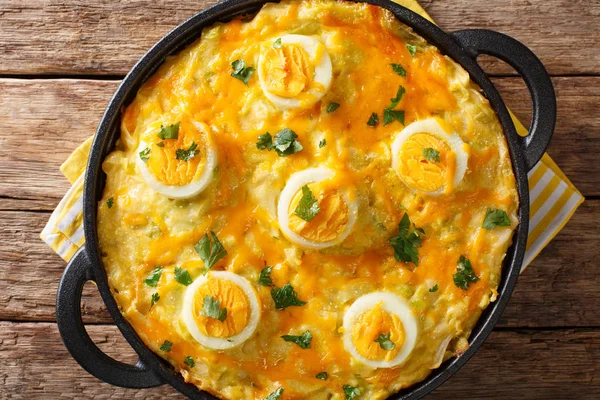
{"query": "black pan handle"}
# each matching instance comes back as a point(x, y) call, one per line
point(531, 69)
point(78, 342)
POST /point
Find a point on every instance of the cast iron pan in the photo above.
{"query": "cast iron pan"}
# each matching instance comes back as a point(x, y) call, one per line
point(463, 46)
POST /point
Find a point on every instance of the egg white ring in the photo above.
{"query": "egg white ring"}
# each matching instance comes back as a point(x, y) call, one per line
point(323, 73)
point(433, 127)
point(293, 185)
point(392, 304)
point(187, 312)
point(184, 191)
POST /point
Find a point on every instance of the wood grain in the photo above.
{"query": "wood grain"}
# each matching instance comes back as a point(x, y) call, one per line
point(558, 289)
point(514, 364)
point(79, 37)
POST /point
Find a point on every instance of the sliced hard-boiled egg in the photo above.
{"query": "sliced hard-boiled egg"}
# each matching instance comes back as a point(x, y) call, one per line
point(380, 330)
point(295, 72)
point(336, 214)
point(429, 157)
point(225, 329)
point(181, 166)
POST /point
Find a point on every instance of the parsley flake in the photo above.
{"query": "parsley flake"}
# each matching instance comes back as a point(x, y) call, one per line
point(431, 154)
point(160, 144)
point(209, 252)
point(351, 392)
point(464, 275)
point(322, 143)
point(145, 154)
point(495, 217)
point(265, 277)
point(385, 342)
point(322, 376)
point(276, 395)
point(406, 244)
point(110, 202)
point(155, 298)
point(154, 276)
point(182, 276)
point(303, 340)
point(241, 72)
point(265, 142)
point(396, 100)
point(434, 288)
point(332, 107)
point(166, 346)
point(373, 120)
point(189, 361)
point(411, 49)
point(211, 308)
point(169, 132)
point(285, 143)
point(308, 207)
point(285, 297)
point(390, 116)
point(277, 44)
point(398, 69)
point(187, 155)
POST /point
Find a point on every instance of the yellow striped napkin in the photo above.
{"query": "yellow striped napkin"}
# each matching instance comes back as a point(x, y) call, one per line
point(554, 199)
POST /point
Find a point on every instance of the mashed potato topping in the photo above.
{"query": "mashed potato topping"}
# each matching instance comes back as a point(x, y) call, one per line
point(312, 203)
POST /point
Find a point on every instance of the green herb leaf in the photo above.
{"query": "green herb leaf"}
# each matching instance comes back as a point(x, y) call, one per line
point(406, 244)
point(155, 298)
point(209, 252)
point(182, 276)
point(285, 297)
point(277, 44)
point(160, 144)
point(276, 395)
point(166, 346)
point(390, 115)
point(110, 202)
point(145, 154)
point(285, 142)
point(265, 142)
point(308, 207)
point(322, 376)
point(495, 217)
point(398, 69)
point(303, 340)
point(154, 277)
point(431, 154)
point(464, 275)
point(351, 392)
point(241, 72)
point(434, 288)
point(385, 342)
point(187, 155)
point(265, 277)
point(169, 132)
point(211, 308)
point(396, 100)
point(322, 143)
point(332, 107)
point(411, 49)
point(373, 120)
point(189, 361)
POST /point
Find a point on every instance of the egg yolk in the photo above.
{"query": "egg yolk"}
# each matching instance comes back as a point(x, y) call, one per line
point(163, 163)
point(288, 70)
point(368, 328)
point(425, 174)
point(233, 298)
point(329, 222)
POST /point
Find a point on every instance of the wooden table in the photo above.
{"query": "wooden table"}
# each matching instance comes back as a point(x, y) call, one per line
point(60, 62)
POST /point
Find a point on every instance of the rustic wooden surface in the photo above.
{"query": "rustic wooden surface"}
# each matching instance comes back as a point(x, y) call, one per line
point(60, 61)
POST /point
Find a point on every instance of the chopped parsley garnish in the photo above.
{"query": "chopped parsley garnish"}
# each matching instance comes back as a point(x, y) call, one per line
point(322, 376)
point(166, 346)
point(276, 395)
point(189, 361)
point(398, 69)
point(265, 277)
point(187, 155)
point(308, 207)
point(464, 275)
point(495, 217)
point(182, 276)
point(332, 107)
point(406, 243)
point(209, 252)
point(155, 298)
point(160, 144)
point(396, 100)
point(285, 143)
point(285, 297)
point(411, 49)
point(265, 142)
point(303, 340)
point(211, 308)
point(154, 276)
point(241, 72)
point(351, 392)
point(145, 154)
point(389, 114)
point(434, 288)
point(385, 342)
point(110, 202)
point(169, 132)
point(322, 143)
point(277, 44)
point(431, 154)
point(373, 120)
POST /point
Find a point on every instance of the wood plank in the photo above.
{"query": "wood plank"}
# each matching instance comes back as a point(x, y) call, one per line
point(524, 364)
point(79, 37)
point(48, 119)
point(558, 289)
